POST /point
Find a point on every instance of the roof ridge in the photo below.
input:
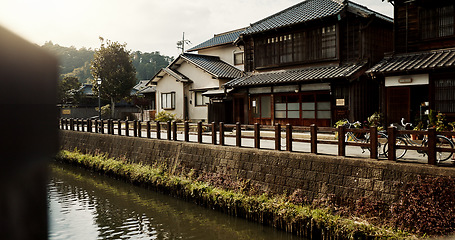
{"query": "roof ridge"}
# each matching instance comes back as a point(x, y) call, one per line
point(284, 10)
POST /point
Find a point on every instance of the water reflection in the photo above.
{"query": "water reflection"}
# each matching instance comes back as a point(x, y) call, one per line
point(85, 205)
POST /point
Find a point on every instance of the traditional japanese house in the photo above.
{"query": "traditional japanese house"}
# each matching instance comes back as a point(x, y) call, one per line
point(420, 74)
point(306, 64)
point(180, 87)
point(219, 107)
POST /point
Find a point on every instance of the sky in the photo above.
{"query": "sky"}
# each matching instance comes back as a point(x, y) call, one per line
point(144, 25)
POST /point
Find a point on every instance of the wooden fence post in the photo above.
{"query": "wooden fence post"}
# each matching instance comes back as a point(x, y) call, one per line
point(77, 124)
point(139, 128)
point(102, 126)
point(109, 126)
point(278, 137)
point(135, 128)
point(71, 124)
point(391, 152)
point(96, 126)
point(174, 130)
point(257, 136)
point(112, 126)
point(127, 128)
point(431, 146)
point(119, 128)
point(89, 125)
point(169, 130)
point(314, 138)
point(148, 129)
point(289, 137)
point(213, 133)
point(374, 142)
point(341, 141)
point(238, 134)
point(222, 133)
point(158, 130)
point(199, 132)
point(186, 131)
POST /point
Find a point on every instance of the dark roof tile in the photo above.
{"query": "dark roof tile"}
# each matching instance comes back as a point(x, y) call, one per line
point(297, 75)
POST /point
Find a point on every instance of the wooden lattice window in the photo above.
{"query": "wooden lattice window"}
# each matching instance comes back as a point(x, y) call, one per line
point(437, 22)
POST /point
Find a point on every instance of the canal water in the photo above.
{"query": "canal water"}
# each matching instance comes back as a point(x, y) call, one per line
point(86, 205)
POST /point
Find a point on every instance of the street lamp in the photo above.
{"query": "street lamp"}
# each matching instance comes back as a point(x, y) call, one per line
point(98, 82)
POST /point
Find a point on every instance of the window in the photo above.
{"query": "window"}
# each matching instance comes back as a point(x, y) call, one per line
point(445, 95)
point(287, 106)
point(261, 106)
point(437, 22)
point(309, 45)
point(238, 58)
point(199, 99)
point(168, 100)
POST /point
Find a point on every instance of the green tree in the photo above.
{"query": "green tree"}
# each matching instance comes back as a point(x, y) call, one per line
point(66, 88)
point(113, 64)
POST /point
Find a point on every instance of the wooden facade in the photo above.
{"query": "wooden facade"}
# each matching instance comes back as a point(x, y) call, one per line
point(420, 75)
point(326, 42)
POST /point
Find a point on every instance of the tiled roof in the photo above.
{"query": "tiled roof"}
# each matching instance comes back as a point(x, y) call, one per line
point(213, 65)
point(310, 10)
point(219, 39)
point(444, 58)
point(297, 75)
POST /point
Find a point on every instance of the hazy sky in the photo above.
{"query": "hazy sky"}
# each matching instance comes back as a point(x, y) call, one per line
point(145, 25)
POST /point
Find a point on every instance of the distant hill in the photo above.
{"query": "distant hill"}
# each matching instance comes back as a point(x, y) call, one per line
point(76, 62)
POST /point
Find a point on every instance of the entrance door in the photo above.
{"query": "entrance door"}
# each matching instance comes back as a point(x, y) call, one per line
point(239, 110)
point(398, 104)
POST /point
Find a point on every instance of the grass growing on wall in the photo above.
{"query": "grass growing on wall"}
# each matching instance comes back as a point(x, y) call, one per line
point(278, 211)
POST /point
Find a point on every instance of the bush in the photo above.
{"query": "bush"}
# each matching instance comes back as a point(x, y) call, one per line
point(164, 116)
point(427, 206)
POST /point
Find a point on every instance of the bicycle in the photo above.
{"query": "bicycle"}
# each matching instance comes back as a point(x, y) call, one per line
point(365, 138)
point(441, 142)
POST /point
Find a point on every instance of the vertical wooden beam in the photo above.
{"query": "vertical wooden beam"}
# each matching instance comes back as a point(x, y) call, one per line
point(135, 128)
point(169, 130)
point(431, 146)
point(341, 141)
point(314, 138)
point(119, 127)
point(158, 130)
point(127, 128)
point(391, 152)
point(89, 125)
point(96, 126)
point(174, 130)
point(199, 132)
point(148, 129)
point(139, 128)
point(213, 133)
point(278, 137)
point(102, 126)
point(186, 131)
point(257, 136)
point(289, 137)
point(374, 142)
point(238, 134)
point(222, 133)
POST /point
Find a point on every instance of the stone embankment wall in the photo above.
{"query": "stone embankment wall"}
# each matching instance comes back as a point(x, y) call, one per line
point(315, 175)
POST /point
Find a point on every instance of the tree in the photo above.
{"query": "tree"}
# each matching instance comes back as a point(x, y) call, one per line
point(113, 64)
point(66, 88)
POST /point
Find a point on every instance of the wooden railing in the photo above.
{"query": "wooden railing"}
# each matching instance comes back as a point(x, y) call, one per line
point(220, 132)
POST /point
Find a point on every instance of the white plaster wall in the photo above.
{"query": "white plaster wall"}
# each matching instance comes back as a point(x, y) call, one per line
point(201, 80)
point(169, 84)
point(225, 53)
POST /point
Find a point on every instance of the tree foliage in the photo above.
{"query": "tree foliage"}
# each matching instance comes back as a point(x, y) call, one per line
point(67, 88)
point(76, 62)
point(113, 63)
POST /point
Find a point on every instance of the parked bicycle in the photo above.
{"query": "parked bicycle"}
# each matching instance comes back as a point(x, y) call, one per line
point(404, 140)
point(365, 138)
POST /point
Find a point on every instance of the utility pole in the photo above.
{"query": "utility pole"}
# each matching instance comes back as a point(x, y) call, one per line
point(181, 43)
